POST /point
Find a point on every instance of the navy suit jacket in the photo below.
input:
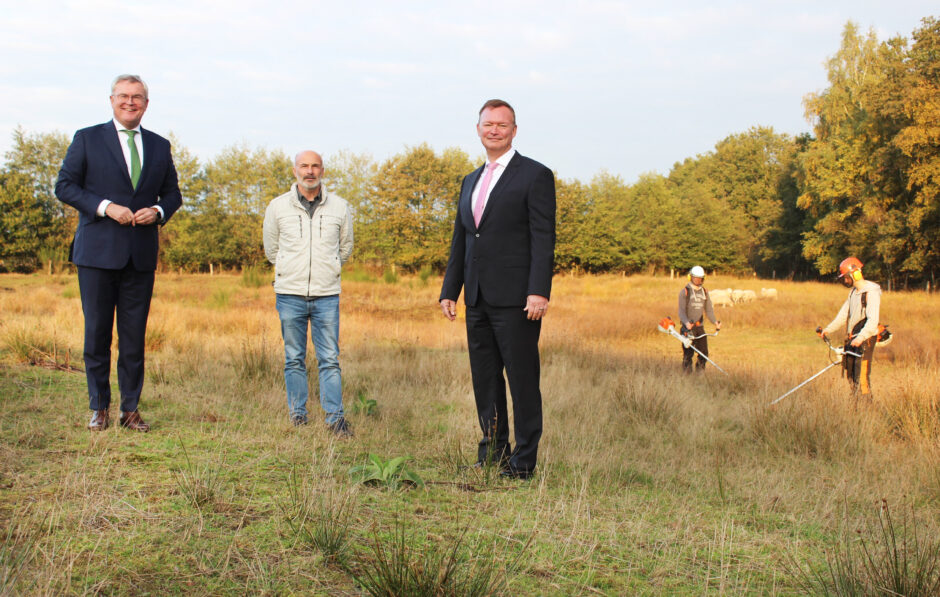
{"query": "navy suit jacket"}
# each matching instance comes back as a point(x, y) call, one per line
point(511, 255)
point(94, 169)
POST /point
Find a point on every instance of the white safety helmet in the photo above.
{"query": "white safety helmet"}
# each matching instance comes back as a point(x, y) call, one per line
point(697, 272)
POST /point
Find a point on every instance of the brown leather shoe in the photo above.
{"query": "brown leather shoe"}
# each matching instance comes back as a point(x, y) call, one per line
point(134, 422)
point(99, 420)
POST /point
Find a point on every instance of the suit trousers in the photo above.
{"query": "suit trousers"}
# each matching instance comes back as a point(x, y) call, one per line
point(502, 338)
point(105, 292)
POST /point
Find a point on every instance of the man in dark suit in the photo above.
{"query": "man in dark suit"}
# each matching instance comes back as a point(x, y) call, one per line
point(122, 181)
point(502, 255)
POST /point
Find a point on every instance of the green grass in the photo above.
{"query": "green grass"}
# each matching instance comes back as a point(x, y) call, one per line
point(649, 482)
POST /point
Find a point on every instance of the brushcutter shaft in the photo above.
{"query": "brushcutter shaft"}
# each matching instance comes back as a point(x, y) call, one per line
point(667, 326)
point(708, 359)
point(838, 350)
point(831, 365)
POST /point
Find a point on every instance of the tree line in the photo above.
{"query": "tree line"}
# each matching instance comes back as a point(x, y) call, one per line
point(865, 182)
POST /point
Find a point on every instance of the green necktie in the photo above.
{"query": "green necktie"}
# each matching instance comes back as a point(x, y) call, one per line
point(135, 157)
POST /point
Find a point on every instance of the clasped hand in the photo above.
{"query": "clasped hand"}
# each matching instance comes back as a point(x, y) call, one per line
point(125, 217)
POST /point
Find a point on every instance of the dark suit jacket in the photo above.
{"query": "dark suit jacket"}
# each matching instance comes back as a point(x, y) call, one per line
point(94, 169)
point(512, 253)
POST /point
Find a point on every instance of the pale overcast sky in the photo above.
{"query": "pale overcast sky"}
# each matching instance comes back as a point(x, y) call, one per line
point(627, 87)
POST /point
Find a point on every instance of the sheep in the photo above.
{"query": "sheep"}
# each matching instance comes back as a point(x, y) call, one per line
point(768, 293)
point(743, 296)
point(721, 297)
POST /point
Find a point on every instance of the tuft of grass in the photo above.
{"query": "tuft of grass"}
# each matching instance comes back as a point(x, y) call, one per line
point(156, 337)
point(820, 429)
point(255, 276)
point(913, 414)
point(257, 362)
point(357, 274)
point(406, 565)
point(880, 558)
point(425, 274)
point(199, 484)
point(646, 403)
point(220, 299)
point(390, 277)
point(16, 552)
point(319, 519)
point(390, 474)
point(484, 476)
point(34, 347)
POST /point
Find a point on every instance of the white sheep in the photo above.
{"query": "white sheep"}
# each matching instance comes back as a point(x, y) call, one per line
point(721, 297)
point(768, 293)
point(743, 296)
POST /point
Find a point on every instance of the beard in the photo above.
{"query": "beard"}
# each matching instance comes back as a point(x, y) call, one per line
point(310, 186)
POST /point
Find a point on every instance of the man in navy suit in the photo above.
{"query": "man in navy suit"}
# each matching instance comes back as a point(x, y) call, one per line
point(502, 255)
point(122, 181)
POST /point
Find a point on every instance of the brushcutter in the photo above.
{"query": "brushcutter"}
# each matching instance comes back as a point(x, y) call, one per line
point(667, 326)
point(838, 350)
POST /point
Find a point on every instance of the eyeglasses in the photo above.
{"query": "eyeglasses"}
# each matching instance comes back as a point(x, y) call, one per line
point(137, 99)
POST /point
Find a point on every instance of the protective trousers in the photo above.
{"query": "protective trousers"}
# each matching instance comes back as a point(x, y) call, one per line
point(700, 343)
point(858, 369)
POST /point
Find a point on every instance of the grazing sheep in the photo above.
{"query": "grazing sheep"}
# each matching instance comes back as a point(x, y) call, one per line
point(768, 293)
point(721, 297)
point(743, 296)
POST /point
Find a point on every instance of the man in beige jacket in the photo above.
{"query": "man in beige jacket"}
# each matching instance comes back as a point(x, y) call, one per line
point(858, 321)
point(308, 235)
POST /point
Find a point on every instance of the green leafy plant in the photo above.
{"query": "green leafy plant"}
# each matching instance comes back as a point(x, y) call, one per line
point(363, 405)
point(390, 474)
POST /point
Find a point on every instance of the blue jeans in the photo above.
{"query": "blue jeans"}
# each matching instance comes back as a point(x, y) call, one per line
point(323, 315)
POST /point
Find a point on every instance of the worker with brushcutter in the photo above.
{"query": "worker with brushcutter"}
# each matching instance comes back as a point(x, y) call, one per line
point(858, 321)
point(694, 306)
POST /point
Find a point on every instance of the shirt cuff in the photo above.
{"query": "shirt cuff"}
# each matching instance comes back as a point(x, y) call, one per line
point(159, 209)
point(102, 207)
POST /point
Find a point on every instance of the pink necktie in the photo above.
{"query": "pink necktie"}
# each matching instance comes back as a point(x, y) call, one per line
point(481, 197)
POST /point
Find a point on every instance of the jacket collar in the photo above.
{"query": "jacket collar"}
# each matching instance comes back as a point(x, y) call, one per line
point(295, 199)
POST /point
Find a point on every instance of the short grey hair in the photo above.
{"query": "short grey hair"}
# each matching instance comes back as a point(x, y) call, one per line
point(130, 79)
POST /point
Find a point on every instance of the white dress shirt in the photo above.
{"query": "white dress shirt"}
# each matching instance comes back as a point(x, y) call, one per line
point(502, 161)
point(125, 148)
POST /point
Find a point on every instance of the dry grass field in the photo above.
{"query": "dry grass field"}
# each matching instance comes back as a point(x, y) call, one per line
point(650, 482)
